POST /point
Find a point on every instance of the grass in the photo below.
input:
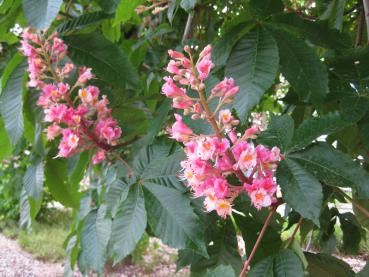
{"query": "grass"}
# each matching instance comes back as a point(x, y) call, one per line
point(45, 240)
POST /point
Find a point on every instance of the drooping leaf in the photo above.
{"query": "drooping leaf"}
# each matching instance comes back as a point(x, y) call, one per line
point(5, 145)
point(220, 271)
point(334, 168)
point(354, 106)
point(95, 236)
point(263, 269)
point(129, 224)
point(322, 265)
point(79, 169)
point(279, 132)
point(178, 228)
point(56, 179)
point(314, 127)
point(351, 233)
point(41, 13)
point(334, 13)
point(34, 178)
point(301, 66)
point(301, 190)
point(11, 102)
point(105, 58)
point(253, 64)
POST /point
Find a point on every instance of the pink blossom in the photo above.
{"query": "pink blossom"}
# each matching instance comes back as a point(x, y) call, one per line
point(69, 143)
point(171, 90)
point(180, 131)
point(252, 132)
point(210, 203)
point(205, 149)
point(55, 113)
point(89, 95)
point(220, 145)
point(203, 68)
point(175, 55)
point(260, 198)
point(225, 116)
point(84, 75)
point(107, 129)
point(53, 131)
point(221, 88)
point(206, 52)
point(99, 157)
point(223, 208)
point(220, 187)
point(173, 67)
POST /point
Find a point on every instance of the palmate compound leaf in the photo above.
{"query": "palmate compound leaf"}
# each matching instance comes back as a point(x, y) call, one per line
point(334, 168)
point(129, 224)
point(301, 190)
point(253, 64)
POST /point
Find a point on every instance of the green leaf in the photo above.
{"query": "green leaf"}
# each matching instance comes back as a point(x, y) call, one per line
point(300, 189)
point(56, 177)
point(286, 263)
point(80, 22)
point(323, 265)
point(95, 236)
point(313, 127)
point(334, 168)
point(279, 132)
point(115, 194)
point(178, 228)
point(34, 178)
point(107, 60)
point(188, 5)
point(354, 106)
point(79, 169)
point(317, 32)
point(220, 271)
point(5, 145)
point(301, 66)
point(164, 171)
point(125, 11)
point(334, 13)
point(11, 102)
point(266, 7)
point(253, 64)
point(223, 47)
point(283, 264)
point(129, 224)
point(352, 65)
point(351, 233)
point(109, 6)
point(41, 13)
point(28, 210)
point(262, 269)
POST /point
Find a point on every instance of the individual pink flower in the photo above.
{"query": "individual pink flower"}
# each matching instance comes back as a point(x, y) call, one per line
point(99, 157)
point(220, 187)
point(260, 198)
point(220, 145)
point(180, 131)
point(203, 68)
point(69, 143)
point(175, 55)
point(53, 131)
point(223, 208)
point(252, 132)
point(206, 52)
point(222, 87)
point(210, 203)
point(173, 67)
point(205, 148)
point(171, 90)
point(225, 117)
point(89, 95)
point(56, 113)
point(84, 75)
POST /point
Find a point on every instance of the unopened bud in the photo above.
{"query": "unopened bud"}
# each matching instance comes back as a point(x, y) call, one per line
point(177, 78)
point(202, 86)
point(195, 116)
point(186, 112)
point(187, 49)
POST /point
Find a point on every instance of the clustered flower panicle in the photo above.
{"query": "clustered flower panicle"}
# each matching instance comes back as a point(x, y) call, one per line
point(78, 114)
point(212, 159)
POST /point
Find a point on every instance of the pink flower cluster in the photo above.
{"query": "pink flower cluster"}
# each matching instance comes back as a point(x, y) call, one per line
point(82, 119)
point(211, 160)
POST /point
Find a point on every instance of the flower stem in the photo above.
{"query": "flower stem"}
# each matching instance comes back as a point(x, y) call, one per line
point(292, 238)
point(266, 223)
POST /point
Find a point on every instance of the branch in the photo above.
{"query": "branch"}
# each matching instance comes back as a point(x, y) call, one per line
point(366, 13)
point(354, 202)
point(266, 223)
point(187, 31)
point(360, 26)
point(292, 238)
